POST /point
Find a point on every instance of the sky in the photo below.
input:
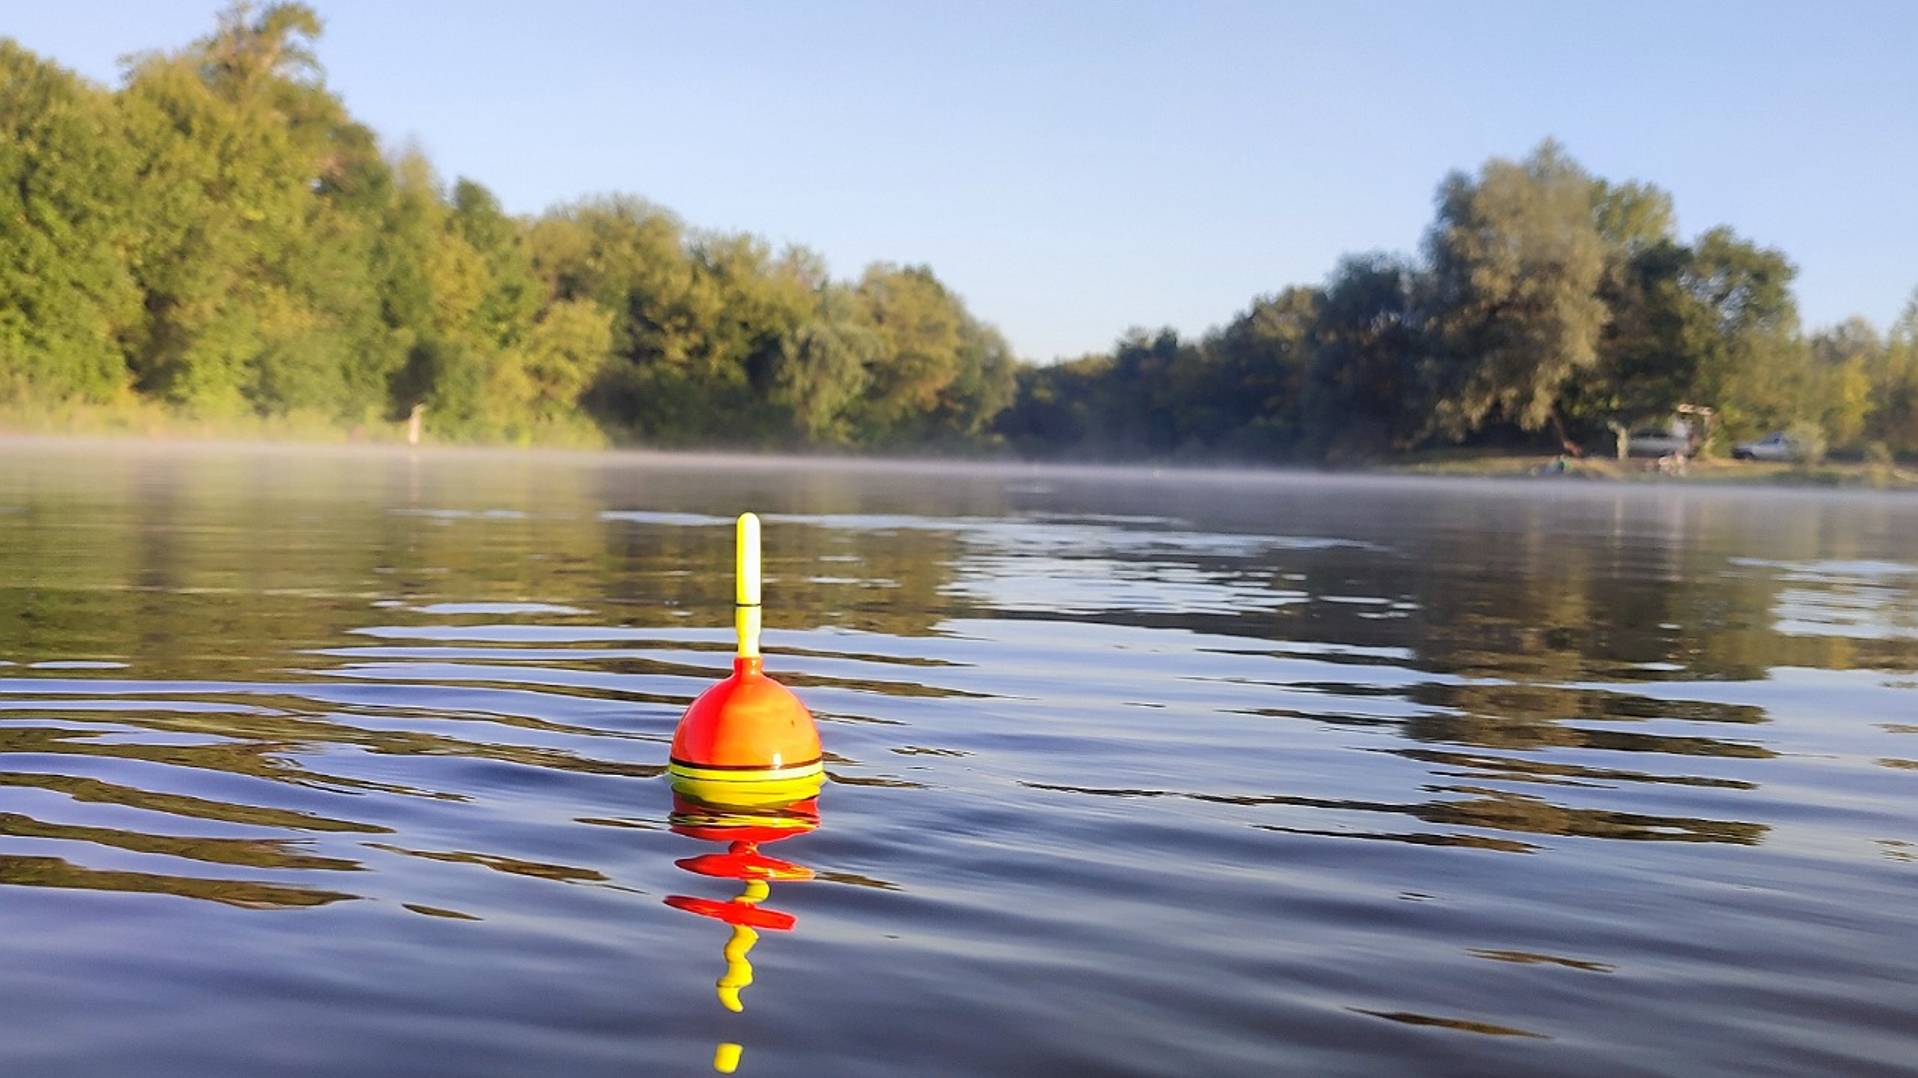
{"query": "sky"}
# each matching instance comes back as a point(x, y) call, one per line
point(1073, 169)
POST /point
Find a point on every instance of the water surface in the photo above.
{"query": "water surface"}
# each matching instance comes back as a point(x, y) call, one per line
point(321, 763)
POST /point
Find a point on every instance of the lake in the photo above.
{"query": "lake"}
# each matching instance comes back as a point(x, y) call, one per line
point(329, 762)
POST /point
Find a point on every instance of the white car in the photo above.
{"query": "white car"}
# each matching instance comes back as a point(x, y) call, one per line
point(1673, 439)
point(1661, 442)
point(1774, 446)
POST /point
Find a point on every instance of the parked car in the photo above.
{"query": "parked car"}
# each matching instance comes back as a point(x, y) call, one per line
point(1675, 440)
point(1774, 446)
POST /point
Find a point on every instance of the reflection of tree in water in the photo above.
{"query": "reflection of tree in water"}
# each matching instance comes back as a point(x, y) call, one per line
point(178, 557)
point(217, 575)
point(1542, 716)
point(1525, 718)
point(167, 557)
point(1482, 808)
point(1522, 627)
point(203, 567)
point(1533, 613)
point(893, 582)
point(268, 739)
point(57, 872)
point(1498, 810)
point(251, 853)
point(855, 564)
point(250, 741)
point(1518, 769)
point(1543, 590)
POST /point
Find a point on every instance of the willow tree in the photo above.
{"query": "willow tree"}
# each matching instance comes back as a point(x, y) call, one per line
point(1516, 260)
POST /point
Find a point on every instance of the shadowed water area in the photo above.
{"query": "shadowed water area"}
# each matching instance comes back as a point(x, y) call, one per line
point(350, 763)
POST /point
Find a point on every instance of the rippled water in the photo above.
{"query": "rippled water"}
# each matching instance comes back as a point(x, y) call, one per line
point(350, 763)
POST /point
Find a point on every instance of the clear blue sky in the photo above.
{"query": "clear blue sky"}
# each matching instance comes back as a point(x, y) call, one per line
point(1076, 168)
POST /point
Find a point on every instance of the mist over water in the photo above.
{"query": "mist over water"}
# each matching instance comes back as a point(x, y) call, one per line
point(315, 763)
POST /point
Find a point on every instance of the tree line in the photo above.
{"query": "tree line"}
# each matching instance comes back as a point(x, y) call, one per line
point(1548, 307)
point(218, 236)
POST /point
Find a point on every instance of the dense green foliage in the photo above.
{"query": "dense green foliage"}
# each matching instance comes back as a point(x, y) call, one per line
point(219, 237)
point(1547, 301)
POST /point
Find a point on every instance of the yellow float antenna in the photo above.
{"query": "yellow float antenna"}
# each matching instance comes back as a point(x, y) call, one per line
point(746, 608)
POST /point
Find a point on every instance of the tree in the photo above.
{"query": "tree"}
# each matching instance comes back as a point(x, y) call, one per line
point(222, 237)
point(825, 369)
point(1894, 416)
point(630, 258)
point(1631, 218)
point(245, 52)
point(981, 388)
point(1751, 360)
point(1363, 394)
point(1652, 344)
point(1139, 410)
point(510, 296)
point(1646, 363)
point(1516, 263)
point(1245, 387)
point(250, 186)
point(67, 297)
point(563, 352)
point(1054, 407)
point(1844, 359)
point(917, 324)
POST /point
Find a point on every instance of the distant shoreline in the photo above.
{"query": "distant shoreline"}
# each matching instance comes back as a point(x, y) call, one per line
point(1501, 466)
point(1710, 470)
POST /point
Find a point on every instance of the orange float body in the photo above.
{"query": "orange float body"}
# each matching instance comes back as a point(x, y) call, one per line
point(746, 735)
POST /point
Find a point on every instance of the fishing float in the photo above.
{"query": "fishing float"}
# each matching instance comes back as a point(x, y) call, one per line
point(747, 740)
point(745, 767)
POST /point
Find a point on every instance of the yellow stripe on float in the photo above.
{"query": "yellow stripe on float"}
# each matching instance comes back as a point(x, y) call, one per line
point(746, 775)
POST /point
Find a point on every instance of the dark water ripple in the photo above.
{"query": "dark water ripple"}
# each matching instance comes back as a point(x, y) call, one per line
point(349, 763)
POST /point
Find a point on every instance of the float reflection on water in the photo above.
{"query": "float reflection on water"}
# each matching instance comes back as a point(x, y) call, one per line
point(703, 812)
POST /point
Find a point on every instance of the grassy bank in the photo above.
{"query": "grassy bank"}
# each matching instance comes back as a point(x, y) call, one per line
point(1710, 470)
point(136, 418)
